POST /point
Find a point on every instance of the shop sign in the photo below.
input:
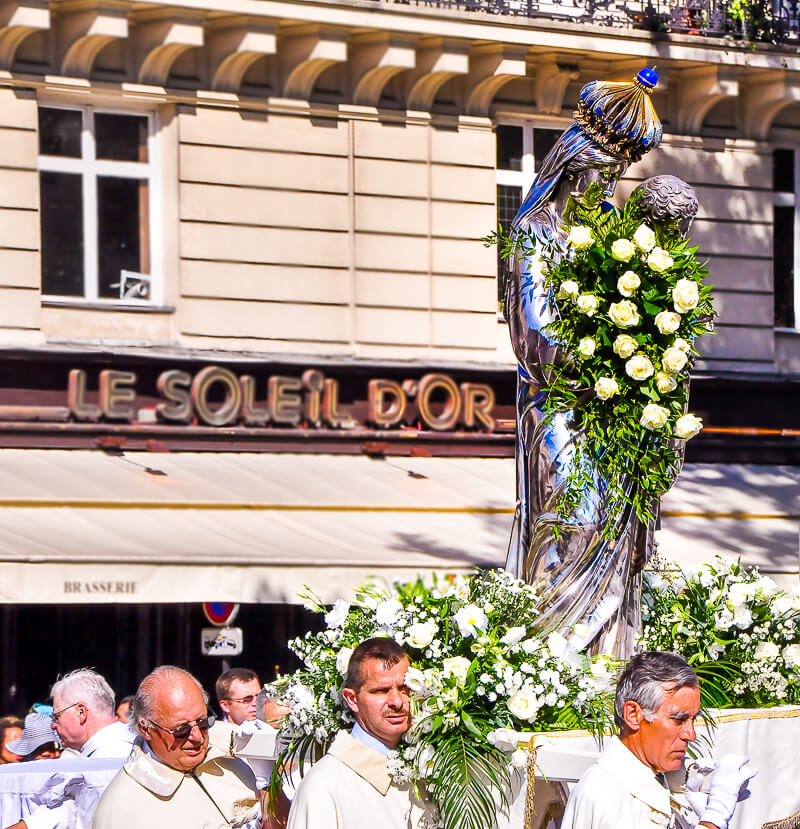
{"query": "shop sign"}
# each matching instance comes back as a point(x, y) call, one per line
point(221, 641)
point(217, 396)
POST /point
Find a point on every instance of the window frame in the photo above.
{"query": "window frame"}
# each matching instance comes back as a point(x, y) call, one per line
point(782, 198)
point(90, 168)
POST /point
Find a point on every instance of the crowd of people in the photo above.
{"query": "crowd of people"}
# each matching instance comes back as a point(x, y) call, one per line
point(160, 758)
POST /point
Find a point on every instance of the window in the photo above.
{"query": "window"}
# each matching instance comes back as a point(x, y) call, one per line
point(520, 152)
point(96, 182)
point(784, 238)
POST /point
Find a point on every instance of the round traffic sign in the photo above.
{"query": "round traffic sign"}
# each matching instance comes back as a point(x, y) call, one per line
point(220, 613)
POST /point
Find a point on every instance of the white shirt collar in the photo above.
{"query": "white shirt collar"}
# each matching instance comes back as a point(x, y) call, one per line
point(358, 733)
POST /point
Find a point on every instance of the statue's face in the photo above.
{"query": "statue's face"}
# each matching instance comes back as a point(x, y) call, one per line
point(607, 174)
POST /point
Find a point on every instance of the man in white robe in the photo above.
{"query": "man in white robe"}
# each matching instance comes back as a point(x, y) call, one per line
point(85, 721)
point(350, 787)
point(656, 704)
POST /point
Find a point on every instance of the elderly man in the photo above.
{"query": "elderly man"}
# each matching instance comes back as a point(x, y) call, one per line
point(174, 779)
point(656, 704)
point(84, 719)
point(350, 787)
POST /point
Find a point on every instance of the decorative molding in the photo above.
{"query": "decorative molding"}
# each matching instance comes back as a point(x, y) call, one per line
point(698, 91)
point(491, 66)
point(304, 53)
point(374, 60)
point(551, 83)
point(235, 44)
point(763, 97)
point(83, 28)
point(161, 38)
point(18, 20)
point(437, 61)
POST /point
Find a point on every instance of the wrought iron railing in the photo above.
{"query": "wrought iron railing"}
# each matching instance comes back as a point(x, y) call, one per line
point(757, 21)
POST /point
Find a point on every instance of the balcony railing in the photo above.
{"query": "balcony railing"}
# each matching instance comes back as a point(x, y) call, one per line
point(758, 21)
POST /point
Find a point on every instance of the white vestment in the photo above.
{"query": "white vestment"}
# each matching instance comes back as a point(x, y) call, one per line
point(350, 788)
point(621, 792)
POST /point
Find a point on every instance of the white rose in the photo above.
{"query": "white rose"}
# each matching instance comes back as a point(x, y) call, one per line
point(303, 696)
point(415, 680)
point(688, 426)
point(513, 635)
point(568, 289)
point(659, 260)
point(782, 605)
point(674, 360)
point(624, 345)
point(668, 322)
point(456, 666)
point(337, 615)
point(639, 367)
point(654, 416)
point(606, 387)
point(766, 587)
point(767, 650)
point(580, 237)
point(587, 304)
point(684, 345)
point(644, 238)
point(519, 758)
point(622, 250)
point(506, 739)
point(791, 654)
point(685, 295)
point(740, 593)
point(742, 618)
point(556, 644)
point(471, 620)
point(524, 705)
point(665, 382)
point(624, 313)
point(386, 612)
point(628, 283)
point(586, 347)
point(343, 661)
point(421, 634)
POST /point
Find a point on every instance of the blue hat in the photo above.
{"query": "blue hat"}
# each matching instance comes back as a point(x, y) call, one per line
point(620, 116)
point(37, 732)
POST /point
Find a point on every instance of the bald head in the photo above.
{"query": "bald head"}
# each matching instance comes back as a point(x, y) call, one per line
point(169, 699)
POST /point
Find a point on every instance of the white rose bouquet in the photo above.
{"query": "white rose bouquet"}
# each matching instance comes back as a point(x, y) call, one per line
point(630, 302)
point(479, 673)
point(736, 628)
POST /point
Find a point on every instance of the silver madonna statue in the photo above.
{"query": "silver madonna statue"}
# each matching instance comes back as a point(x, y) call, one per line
point(587, 566)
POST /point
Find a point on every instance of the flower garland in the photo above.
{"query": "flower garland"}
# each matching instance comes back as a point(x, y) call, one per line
point(630, 302)
point(477, 676)
point(736, 628)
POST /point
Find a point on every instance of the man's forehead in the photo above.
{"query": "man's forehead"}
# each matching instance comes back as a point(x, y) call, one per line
point(239, 684)
point(378, 670)
point(684, 700)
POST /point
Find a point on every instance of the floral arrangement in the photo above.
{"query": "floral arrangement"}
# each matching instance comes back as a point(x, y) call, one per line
point(477, 675)
point(736, 628)
point(630, 302)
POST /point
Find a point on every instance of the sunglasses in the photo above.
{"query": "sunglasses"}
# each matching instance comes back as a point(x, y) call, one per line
point(183, 731)
point(244, 700)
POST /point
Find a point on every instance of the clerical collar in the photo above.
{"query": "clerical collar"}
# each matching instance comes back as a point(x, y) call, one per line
point(358, 733)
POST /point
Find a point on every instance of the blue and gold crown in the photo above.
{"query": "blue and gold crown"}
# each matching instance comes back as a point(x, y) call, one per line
point(621, 116)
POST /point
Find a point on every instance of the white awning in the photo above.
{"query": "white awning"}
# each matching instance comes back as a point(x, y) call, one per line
point(88, 527)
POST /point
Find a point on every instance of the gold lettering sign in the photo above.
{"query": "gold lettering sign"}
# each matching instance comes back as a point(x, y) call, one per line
point(251, 415)
point(76, 397)
point(431, 383)
point(285, 404)
point(228, 412)
point(381, 412)
point(478, 404)
point(173, 386)
point(117, 394)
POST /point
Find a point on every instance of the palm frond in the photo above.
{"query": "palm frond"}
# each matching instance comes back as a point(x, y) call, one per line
point(469, 782)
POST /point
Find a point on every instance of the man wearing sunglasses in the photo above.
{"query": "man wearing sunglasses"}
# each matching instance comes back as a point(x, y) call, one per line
point(237, 690)
point(173, 778)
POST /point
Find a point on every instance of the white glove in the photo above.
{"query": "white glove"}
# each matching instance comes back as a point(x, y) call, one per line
point(728, 786)
point(247, 728)
point(697, 773)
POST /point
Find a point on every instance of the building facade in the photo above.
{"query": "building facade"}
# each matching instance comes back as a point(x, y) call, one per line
point(257, 227)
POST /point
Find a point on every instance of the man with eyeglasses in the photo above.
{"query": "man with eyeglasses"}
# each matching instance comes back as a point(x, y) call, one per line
point(237, 691)
point(84, 719)
point(174, 778)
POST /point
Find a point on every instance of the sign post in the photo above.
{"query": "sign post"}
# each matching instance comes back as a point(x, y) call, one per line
point(221, 640)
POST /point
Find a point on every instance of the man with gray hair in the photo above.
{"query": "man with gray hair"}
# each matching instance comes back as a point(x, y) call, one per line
point(84, 719)
point(656, 704)
point(172, 777)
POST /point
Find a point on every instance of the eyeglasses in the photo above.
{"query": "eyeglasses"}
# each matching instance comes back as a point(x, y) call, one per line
point(248, 700)
point(183, 731)
point(57, 714)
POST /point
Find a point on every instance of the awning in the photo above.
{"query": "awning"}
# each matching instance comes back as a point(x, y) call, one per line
point(90, 527)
